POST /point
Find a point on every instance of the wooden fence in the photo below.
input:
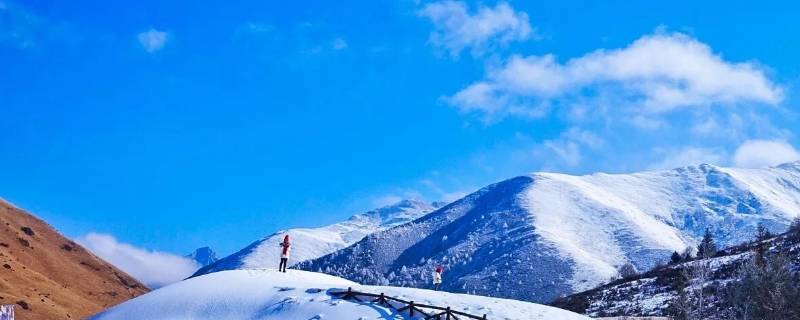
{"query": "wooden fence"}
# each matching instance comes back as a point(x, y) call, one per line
point(411, 307)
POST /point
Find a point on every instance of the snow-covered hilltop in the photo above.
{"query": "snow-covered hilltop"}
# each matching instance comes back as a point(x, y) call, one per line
point(544, 235)
point(311, 243)
point(268, 294)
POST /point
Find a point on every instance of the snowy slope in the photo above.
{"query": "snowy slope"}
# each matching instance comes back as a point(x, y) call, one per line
point(268, 294)
point(311, 243)
point(544, 235)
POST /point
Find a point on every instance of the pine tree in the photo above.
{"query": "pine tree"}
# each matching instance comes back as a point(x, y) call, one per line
point(766, 290)
point(794, 228)
point(680, 307)
point(687, 254)
point(675, 258)
point(707, 247)
point(762, 233)
point(627, 270)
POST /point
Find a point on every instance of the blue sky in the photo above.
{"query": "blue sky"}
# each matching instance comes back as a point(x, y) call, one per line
point(180, 124)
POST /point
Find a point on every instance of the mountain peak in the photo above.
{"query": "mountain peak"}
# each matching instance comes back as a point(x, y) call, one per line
point(203, 256)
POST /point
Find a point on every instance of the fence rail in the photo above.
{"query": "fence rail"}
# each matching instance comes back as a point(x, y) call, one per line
point(410, 306)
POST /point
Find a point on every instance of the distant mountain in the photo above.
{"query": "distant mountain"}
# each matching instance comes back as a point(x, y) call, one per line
point(203, 256)
point(544, 235)
point(310, 243)
point(48, 276)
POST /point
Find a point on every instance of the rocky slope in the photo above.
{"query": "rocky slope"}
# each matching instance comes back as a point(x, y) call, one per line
point(47, 276)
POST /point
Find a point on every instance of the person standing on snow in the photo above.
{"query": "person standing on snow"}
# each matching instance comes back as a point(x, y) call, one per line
point(437, 277)
point(285, 249)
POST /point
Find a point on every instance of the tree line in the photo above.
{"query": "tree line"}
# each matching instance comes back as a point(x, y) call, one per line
point(764, 287)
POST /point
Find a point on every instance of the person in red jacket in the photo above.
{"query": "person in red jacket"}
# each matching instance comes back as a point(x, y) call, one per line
point(285, 249)
point(437, 277)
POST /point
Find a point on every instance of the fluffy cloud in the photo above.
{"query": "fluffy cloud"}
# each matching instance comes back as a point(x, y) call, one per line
point(764, 153)
point(456, 29)
point(154, 268)
point(153, 40)
point(656, 73)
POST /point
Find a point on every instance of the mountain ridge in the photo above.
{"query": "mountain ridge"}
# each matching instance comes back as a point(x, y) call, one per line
point(561, 234)
point(308, 243)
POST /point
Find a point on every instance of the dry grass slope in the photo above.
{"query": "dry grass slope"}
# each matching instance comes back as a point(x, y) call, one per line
point(47, 276)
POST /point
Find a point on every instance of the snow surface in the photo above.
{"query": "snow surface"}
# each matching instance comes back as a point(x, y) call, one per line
point(311, 243)
point(601, 221)
point(543, 235)
point(268, 294)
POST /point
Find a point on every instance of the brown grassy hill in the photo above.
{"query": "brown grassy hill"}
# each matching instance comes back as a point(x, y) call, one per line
point(48, 276)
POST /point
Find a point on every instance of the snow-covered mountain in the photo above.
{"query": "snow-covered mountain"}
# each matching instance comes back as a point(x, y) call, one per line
point(268, 294)
point(544, 235)
point(311, 243)
point(203, 256)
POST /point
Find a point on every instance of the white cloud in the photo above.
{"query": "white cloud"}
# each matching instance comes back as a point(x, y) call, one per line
point(339, 44)
point(154, 268)
point(764, 153)
point(456, 29)
point(568, 149)
point(690, 156)
point(655, 74)
point(153, 40)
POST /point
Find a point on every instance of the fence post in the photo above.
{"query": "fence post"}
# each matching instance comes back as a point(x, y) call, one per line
point(484, 316)
point(411, 308)
point(448, 313)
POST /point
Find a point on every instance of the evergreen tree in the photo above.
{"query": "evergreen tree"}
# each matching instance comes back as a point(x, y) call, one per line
point(686, 255)
point(680, 307)
point(794, 228)
point(766, 290)
point(627, 270)
point(762, 233)
point(675, 258)
point(707, 247)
